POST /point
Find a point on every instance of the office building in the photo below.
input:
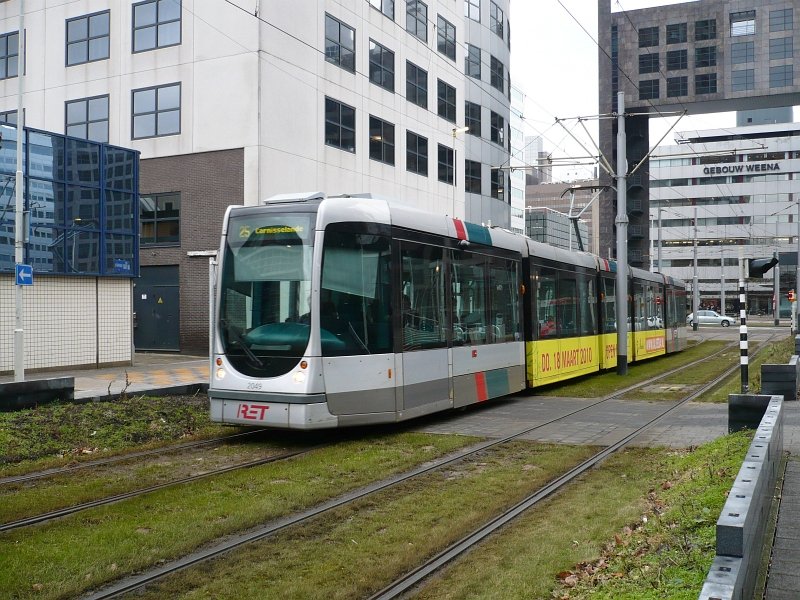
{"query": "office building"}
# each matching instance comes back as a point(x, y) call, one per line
point(230, 103)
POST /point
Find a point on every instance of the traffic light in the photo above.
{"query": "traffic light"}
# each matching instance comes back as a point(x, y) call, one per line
point(791, 296)
point(756, 267)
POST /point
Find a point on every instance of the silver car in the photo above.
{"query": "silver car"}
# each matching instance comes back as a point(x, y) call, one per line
point(709, 317)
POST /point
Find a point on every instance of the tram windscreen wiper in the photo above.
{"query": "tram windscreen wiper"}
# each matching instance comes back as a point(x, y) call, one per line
point(243, 344)
point(358, 339)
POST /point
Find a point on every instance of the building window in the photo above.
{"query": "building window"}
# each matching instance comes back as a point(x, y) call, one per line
point(446, 38)
point(472, 176)
point(416, 154)
point(472, 61)
point(9, 117)
point(705, 30)
point(385, 6)
point(156, 24)
point(497, 126)
point(648, 36)
point(472, 118)
point(705, 57)
point(416, 85)
point(705, 84)
point(87, 118)
point(743, 52)
point(472, 10)
point(417, 19)
point(498, 74)
point(9, 55)
point(381, 140)
point(648, 89)
point(157, 111)
point(677, 86)
point(780, 20)
point(496, 19)
point(781, 76)
point(446, 95)
point(677, 60)
point(340, 125)
point(743, 23)
point(88, 38)
point(160, 219)
point(381, 65)
point(445, 164)
point(677, 33)
point(340, 44)
point(648, 63)
point(743, 80)
point(780, 48)
point(498, 184)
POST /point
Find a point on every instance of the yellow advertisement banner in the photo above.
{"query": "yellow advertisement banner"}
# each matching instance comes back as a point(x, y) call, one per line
point(555, 360)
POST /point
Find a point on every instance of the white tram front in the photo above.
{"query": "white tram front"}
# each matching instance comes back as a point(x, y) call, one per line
point(355, 310)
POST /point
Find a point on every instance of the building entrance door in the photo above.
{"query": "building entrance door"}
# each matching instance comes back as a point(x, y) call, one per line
point(156, 303)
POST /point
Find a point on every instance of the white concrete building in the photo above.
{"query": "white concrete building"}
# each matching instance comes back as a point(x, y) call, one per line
point(230, 103)
point(736, 192)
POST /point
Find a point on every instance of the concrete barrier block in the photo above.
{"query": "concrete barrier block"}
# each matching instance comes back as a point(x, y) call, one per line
point(27, 394)
point(724, 581)
point(745, 411)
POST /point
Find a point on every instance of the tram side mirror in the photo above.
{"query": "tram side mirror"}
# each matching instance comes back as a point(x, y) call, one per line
point(463, 244)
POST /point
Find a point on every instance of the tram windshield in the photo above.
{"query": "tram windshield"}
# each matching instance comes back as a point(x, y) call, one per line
point(265, 296)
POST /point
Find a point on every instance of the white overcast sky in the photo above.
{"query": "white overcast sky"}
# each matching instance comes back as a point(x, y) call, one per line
point(554, 62)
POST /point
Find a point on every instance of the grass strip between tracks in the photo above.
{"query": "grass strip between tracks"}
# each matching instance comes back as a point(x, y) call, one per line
point(66, 557)
point(640, 526)
point(608, 382)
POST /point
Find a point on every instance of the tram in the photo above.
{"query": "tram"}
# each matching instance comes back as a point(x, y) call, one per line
point(353, 310)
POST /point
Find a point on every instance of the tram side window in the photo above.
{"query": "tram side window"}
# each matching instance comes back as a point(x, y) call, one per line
point(587, 304)
point(639, 315)
point(655, 314)
point(504, 292)
point(567, 314)
point(423, 310)
point(546, 303)
point(609, 306)
point(355, 296)
point(469, 298)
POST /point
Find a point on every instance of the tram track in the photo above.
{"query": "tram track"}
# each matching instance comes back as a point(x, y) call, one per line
point(55, 514)
point(405, 583)
point(399, 587)
point(120, 458)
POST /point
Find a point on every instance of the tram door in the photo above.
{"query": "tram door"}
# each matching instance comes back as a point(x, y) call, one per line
point(355, 323)
point(426, 376)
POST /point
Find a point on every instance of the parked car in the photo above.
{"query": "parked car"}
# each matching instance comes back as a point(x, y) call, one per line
point(709, 317)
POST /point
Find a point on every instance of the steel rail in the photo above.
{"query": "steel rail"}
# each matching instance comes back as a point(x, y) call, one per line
point(63, 512)
point(123, 457)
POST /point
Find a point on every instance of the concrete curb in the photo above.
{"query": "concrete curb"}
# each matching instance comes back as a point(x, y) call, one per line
point(741, 525)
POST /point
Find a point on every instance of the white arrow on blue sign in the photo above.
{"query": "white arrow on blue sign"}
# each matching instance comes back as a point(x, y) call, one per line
point(24, 274)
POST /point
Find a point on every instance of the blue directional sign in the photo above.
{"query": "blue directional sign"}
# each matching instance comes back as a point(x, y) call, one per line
point(24, 274)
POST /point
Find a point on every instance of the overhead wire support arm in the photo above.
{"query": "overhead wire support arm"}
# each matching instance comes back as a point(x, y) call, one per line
point(653, 149)
point(603, 163)
point(600, 155)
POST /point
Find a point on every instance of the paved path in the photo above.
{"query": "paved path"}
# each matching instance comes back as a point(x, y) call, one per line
point(155, 373)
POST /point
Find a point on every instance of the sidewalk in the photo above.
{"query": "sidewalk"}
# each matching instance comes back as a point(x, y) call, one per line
point(151, 373)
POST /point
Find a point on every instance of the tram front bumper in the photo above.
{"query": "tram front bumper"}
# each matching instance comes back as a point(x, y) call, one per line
point(258, 412)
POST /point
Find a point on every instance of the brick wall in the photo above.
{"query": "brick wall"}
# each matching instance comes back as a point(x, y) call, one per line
point(208, 182)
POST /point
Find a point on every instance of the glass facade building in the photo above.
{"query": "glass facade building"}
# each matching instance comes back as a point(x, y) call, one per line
point(82, 200)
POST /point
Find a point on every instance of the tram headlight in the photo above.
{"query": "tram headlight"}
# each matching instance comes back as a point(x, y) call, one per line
point(220, 374)
point(299, 377)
